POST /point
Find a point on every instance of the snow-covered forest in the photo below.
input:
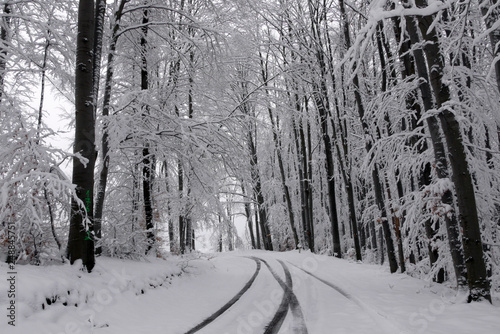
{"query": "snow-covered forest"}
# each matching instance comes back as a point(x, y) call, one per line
point(363, 130)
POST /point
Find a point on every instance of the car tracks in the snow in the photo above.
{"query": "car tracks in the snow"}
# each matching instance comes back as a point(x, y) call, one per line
point(230, 303)
point(289, 302)
point(380, 319)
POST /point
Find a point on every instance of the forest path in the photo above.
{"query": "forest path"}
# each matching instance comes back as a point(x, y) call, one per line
point(247, 293)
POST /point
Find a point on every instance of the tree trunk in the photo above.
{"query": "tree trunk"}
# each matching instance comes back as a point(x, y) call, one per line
point(4, 39)
point(257, 230)
point(397, 229)
point(171, 235)
point(441, 163)
point(189, 224)
point(147, 157)
point(248, 214)
point(100, 10)
point(264, 225)
point(182, 228)
point(42, 85)
point(81, 238)
point(477, 279)
point(189, 235)
point(479, 286)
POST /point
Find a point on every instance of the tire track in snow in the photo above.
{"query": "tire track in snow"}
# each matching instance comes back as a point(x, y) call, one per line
point(289, 301)
point(379, 319)
point(230, 303)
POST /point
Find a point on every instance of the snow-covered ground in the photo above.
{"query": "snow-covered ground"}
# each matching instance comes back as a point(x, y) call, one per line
point(239, 293)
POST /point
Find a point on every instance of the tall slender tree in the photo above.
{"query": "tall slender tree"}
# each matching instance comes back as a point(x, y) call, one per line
point(4, 38)
point(147, 156)
point(81, 238)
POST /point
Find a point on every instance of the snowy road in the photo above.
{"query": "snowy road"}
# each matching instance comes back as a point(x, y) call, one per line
point(251, 294)
point(244, 293)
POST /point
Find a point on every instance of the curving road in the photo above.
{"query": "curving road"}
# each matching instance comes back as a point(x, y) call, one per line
point(304, 303)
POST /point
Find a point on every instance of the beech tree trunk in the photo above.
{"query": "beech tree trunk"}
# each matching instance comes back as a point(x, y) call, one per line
point(248, 214)
point(147, 157)
point(182, 227)
point(441, 163)
point(81, 238)
point(4, 37)
point(479, 286)
point(477, 280)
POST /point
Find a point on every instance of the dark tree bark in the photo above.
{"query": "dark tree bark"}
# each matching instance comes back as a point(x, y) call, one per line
point(441, 163)
point(182, 227)
point(147, 157)
point(100, 10)
point(189, 235)
point(81, 238)
point(4, 39)
point(477, 280)
point(248, 214)
point(170, 223)
point(189, 225)
point(303, 167)
point(461, 177)
point(424, 178)
point(396, 222)
point(306, 148)
point(257, 229)
point(46, 51)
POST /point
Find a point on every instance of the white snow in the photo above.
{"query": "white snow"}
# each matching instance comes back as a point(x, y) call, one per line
point(174, 295)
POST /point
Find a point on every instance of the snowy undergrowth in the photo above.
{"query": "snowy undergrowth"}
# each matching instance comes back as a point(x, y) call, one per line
point(40, 288)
